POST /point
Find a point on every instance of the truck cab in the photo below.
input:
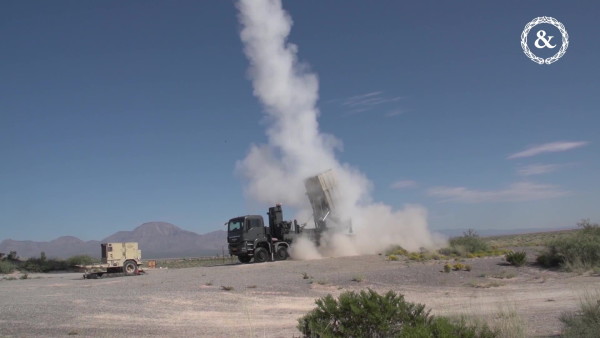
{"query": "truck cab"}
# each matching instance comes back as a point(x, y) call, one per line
point(248, 238)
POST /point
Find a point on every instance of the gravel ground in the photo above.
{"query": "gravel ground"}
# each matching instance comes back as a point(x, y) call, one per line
point(267, 299)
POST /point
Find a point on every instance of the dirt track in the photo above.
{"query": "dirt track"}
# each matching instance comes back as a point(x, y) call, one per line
point(267, 299)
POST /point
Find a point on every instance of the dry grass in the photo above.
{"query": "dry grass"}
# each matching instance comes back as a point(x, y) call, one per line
point(506, 322)
point(358, 279)
point(586, 321)
point(527, 240)
point(178, 263)
point(504, 275)
point(485, 285)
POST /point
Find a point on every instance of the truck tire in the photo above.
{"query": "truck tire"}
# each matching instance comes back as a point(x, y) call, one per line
point(260, 255)
point(281, 254)
point(130, 268)
point(244, 259)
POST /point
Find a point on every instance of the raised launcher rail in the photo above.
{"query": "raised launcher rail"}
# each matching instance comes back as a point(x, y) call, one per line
point(323, 193)
point(118, 259)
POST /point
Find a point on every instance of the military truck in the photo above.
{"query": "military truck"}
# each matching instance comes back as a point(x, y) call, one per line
point(248, 238)
point(117, 259)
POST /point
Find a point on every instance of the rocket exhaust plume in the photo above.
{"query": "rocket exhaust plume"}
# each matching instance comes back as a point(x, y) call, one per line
point(297, 149)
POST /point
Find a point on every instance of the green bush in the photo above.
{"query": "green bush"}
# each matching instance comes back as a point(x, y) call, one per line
point(468, 245)
point(580, 251)
point(586, 321)
point(12, 256)
point(43, 264)
point(447, 268)
point(81, 260)
point(458, 266)
point(6, 267)
point(453, 251)
point(396, 250)
point(470, 242)
point(518, 258)
point(46, 265)
point(368, 314)
point(550, 257)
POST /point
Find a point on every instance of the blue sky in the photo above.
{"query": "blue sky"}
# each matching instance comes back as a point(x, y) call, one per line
point(115, 113)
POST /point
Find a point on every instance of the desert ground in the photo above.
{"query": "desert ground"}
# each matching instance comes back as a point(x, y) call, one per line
point(265, 300)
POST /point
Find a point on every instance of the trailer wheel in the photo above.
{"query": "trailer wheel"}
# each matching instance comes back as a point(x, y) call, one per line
point(244, 259)
point(281, 254)
point(130, 268)
point(260, 255)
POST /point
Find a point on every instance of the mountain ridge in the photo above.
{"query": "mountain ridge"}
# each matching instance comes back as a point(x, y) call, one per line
point(155, 239)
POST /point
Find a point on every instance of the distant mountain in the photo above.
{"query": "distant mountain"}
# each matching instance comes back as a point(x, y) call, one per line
point(160, 239)
point(156, 240)
point(61, 247)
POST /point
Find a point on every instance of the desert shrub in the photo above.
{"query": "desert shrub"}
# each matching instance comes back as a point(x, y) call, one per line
point(81, 260)
point(518, 258)
point(6, 267)
point(550, 257)
point(504, 275)
point(468, 245)
point(12, 256)
point(368, 314)
point(396, 250)
point(416, 256)
point(586, 321)
point(579, 251)
point(46, 265)
point(453, 251)
point(458, 266)
point(470, 242)
point(358, 278)
point(467, 267)
point(447, 268)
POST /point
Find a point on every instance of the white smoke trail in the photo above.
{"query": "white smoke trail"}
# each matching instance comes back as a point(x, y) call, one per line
point(297, 148)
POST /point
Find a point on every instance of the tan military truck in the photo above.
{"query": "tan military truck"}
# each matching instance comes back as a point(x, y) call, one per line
point(117, 259)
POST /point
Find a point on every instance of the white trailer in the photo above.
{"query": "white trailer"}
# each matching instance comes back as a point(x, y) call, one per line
point(118, 259)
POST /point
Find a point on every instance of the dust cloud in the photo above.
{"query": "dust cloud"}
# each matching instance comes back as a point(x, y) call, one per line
point(297, 149)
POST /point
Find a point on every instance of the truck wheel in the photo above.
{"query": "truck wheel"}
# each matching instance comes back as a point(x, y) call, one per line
point(130, 268)
point(281, 254)
point(260, 255)
point(244, 259)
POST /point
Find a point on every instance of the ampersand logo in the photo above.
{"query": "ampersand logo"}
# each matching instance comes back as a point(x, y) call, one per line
point(544, 41)
point(541, 34)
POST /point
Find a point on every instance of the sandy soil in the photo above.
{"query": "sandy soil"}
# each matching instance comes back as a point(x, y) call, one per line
point(267, 299)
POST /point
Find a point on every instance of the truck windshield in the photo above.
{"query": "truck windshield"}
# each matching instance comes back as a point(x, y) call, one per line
point(235, 225)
